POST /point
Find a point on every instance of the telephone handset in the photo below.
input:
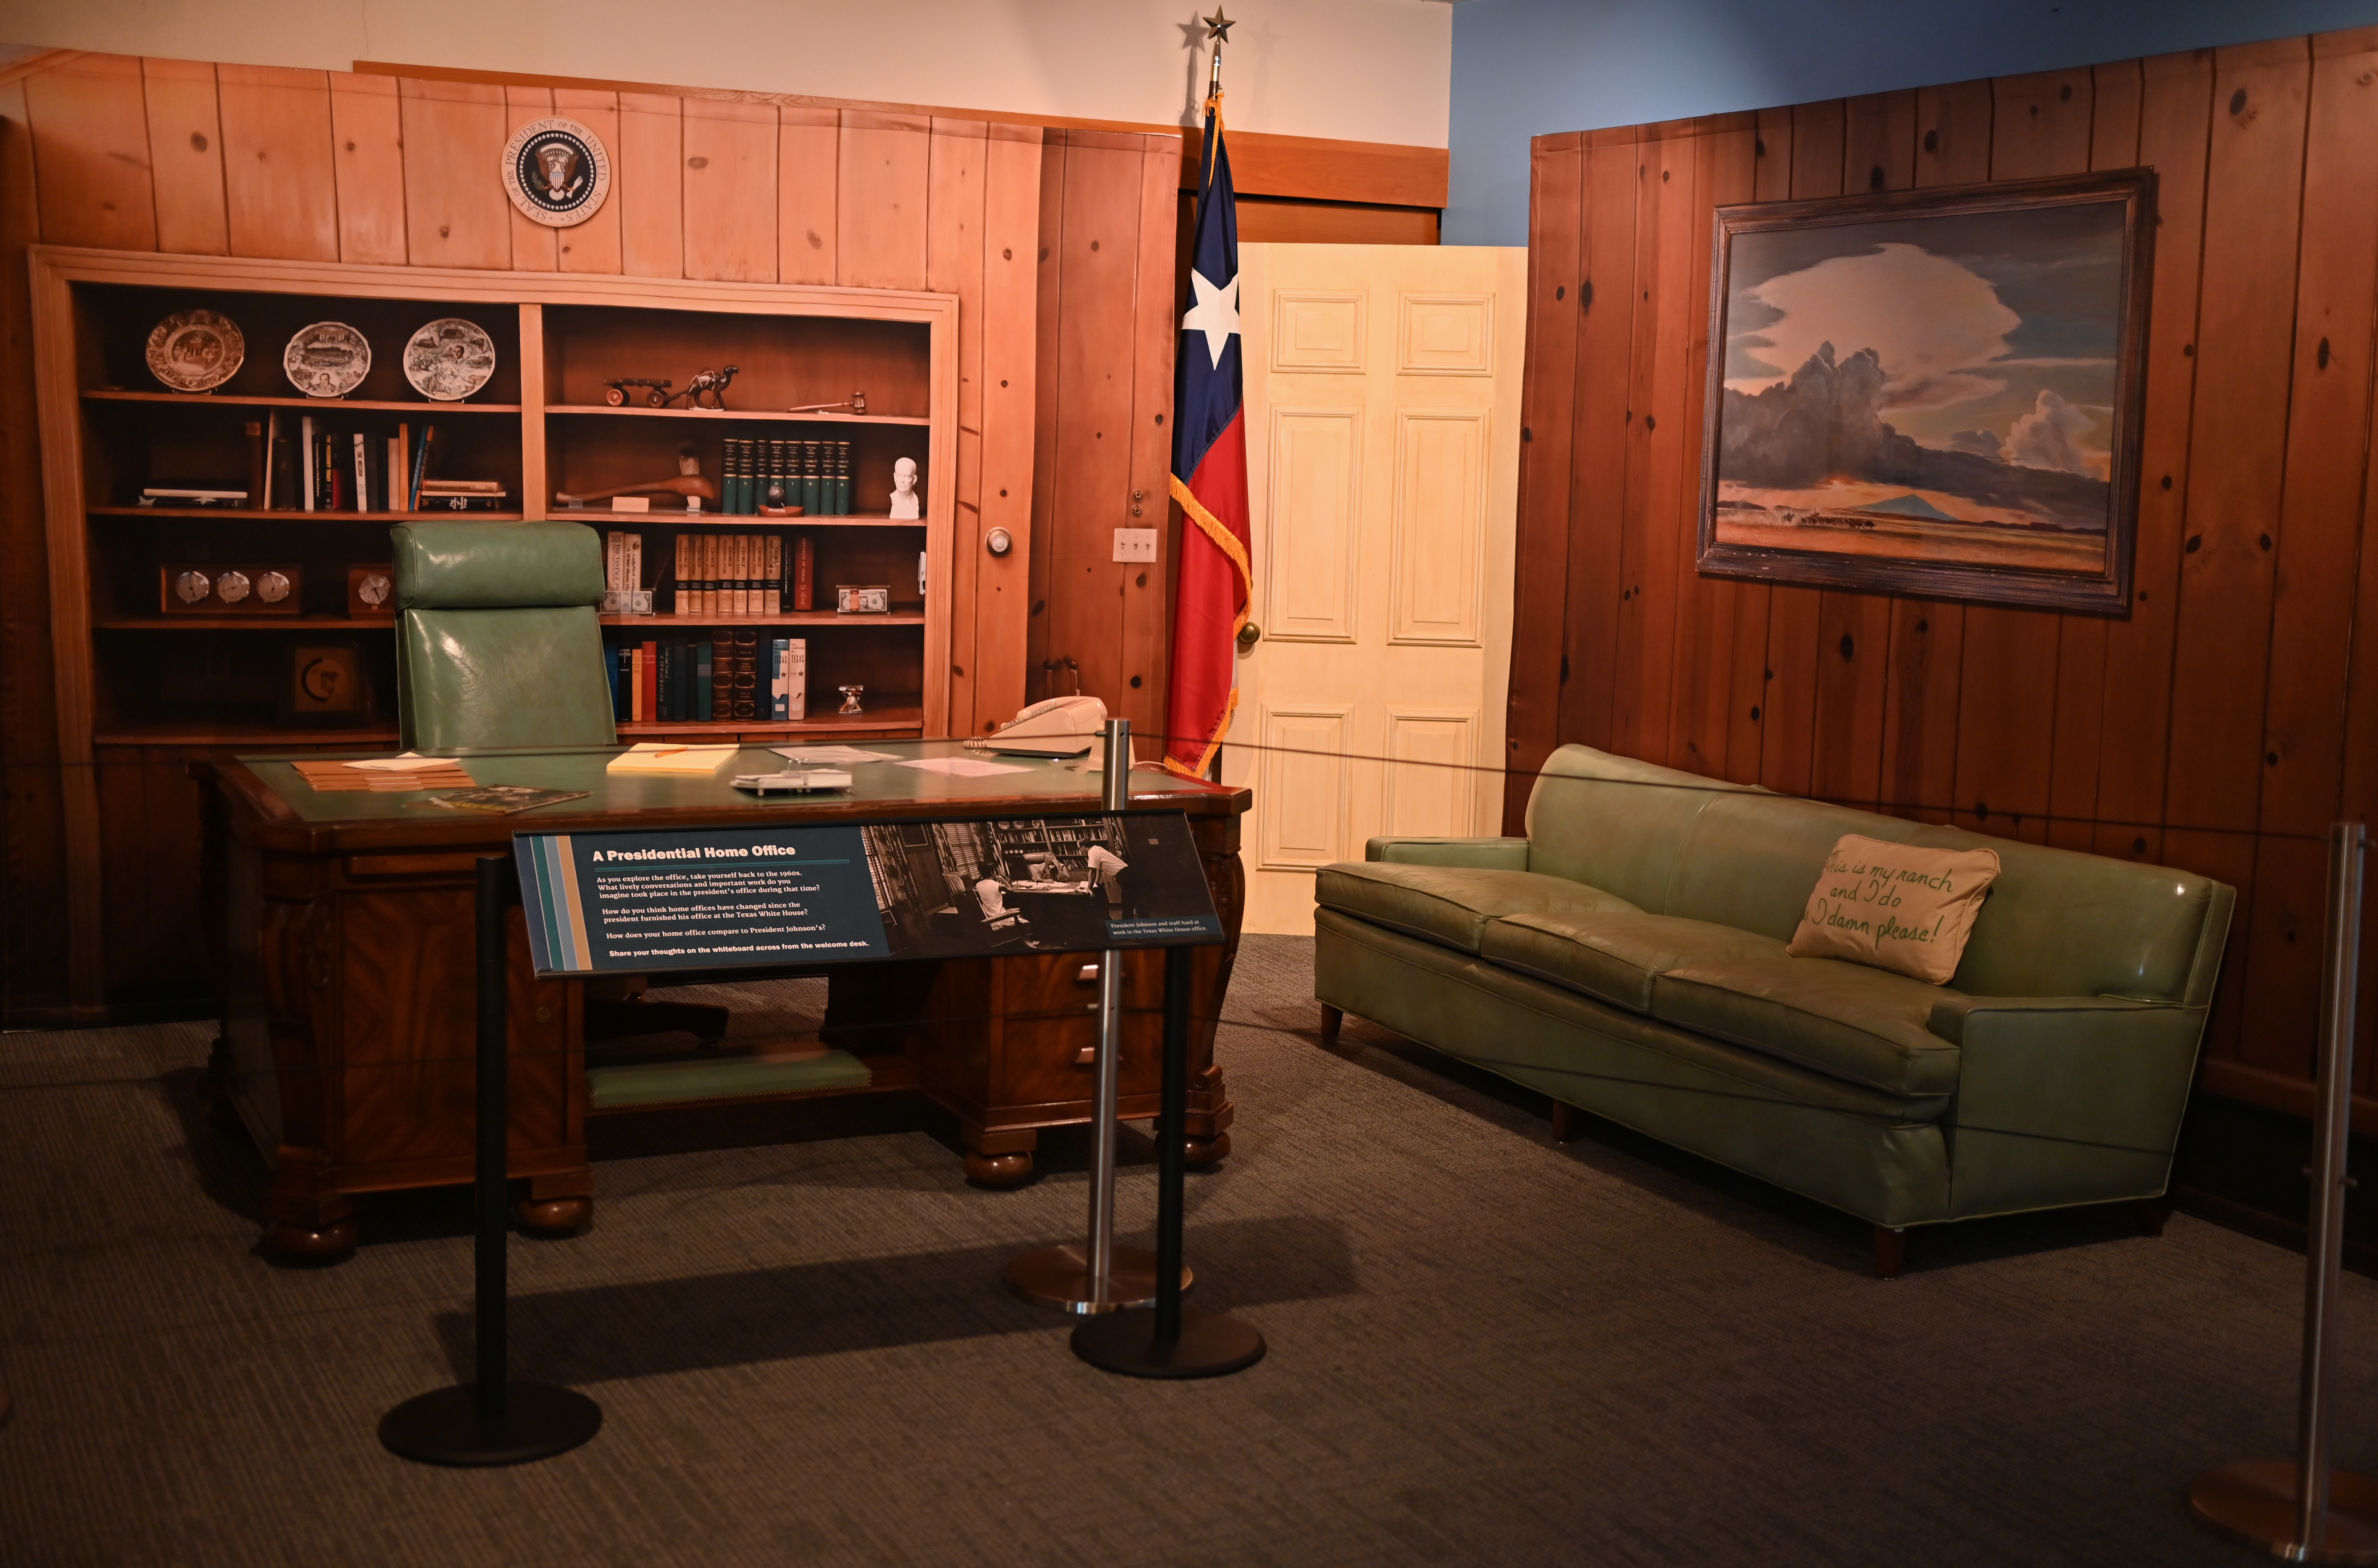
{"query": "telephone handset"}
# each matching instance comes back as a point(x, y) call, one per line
point(1061, 726)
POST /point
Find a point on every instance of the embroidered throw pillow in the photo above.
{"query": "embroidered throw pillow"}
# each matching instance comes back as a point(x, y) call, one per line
point(1895, 906)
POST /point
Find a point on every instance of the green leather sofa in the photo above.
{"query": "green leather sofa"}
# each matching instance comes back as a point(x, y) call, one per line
point(1628, 958)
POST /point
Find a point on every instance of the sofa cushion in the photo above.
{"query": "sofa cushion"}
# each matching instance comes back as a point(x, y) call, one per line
point(1859, 1024)
point(1616, 823)
point(1452, 903)
point(1615, 957)
point(1752, 859)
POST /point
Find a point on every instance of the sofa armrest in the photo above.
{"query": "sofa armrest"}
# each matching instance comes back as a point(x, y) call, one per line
point(1477, 854)
point(2093, 1070)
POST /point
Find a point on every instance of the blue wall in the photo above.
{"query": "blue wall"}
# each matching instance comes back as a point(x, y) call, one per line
point(1533, 67)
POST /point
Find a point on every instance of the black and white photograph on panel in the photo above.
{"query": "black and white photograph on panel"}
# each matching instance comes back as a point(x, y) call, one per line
point(1039, 885)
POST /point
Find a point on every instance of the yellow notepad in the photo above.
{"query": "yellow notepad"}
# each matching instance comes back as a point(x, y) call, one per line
point(658, 756)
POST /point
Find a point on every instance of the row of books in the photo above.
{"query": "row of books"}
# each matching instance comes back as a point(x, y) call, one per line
point(721, 574)
point(297, 463)
point(734, 674)
point(813, 476)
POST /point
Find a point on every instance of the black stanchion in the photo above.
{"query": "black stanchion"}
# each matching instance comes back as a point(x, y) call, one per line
point(491, 1420)
point(1170, 1340)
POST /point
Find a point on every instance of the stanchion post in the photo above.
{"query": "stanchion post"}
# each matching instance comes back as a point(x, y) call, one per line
point(2308, 1512)
point(491, 1420)
point(1170, 1340)
point(1099, 1276)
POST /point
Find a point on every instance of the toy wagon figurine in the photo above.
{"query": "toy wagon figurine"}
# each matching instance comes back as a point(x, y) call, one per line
point(617, 393)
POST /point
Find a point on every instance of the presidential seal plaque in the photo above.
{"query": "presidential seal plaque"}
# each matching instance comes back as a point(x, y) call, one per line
point(556, 172)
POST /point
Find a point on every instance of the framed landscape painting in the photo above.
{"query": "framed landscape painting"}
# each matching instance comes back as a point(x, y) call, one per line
point(1932, 393)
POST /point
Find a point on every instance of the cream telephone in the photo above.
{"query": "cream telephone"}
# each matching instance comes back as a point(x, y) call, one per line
point(1063, 726)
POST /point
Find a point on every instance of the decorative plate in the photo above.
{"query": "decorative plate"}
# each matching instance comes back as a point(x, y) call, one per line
point(328, 359)
point(556, 172)
point(196, 351)
point(449, 359)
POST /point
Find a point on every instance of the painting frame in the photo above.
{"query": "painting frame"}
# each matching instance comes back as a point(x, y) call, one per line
point(2105, 592)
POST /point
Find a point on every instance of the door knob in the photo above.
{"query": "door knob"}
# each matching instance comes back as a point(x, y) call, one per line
point(1249, 635)
point(999, 541)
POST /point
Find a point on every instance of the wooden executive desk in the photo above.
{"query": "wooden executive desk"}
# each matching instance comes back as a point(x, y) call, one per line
point(345, 921)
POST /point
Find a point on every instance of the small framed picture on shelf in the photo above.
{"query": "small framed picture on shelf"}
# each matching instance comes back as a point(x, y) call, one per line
point(325, 685)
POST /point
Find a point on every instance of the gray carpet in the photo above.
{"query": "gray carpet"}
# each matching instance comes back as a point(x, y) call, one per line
point(1484, 1349)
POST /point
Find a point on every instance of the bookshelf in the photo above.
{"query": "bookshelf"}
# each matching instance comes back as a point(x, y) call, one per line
point(145, 690)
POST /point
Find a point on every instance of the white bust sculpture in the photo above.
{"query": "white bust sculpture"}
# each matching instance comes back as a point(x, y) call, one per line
point(904, 490)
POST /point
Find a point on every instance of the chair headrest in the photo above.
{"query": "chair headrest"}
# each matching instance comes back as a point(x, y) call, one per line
point(495, 565)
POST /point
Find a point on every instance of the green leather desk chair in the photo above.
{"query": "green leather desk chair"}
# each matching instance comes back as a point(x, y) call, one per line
point(499, 645)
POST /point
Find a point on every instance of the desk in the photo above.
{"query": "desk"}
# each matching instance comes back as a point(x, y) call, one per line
point(344, 924)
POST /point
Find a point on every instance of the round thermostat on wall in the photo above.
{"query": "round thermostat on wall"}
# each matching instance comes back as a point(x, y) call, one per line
point(556, 171)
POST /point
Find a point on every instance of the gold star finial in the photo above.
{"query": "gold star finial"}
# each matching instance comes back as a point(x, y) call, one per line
point(1218, 26)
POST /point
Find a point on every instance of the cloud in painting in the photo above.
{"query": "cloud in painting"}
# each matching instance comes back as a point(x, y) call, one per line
point(1933, 324)
point(2049, 437)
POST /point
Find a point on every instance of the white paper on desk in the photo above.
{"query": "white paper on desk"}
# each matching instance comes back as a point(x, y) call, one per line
point(411, 763)
point(836, 756)
point(964, 767)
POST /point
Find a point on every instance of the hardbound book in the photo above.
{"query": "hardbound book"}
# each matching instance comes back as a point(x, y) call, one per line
point(722, 674)
point(842, 480)
point(772, 586)
point(702, 670)
point(681, 551)
point(421, 466)
point(615, 559)
point(310, 479)
point(804, 574)
point(635, 563)
point(623, 676)
point(747, 658)
point(649, 697)
point(664, 679)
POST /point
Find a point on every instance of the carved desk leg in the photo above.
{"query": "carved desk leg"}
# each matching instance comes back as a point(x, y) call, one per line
point(1211, 1111)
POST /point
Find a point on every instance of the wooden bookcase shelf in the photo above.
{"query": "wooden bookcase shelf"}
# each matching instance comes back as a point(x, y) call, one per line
point(135, 686)
point(312, 405)
point(729, 415)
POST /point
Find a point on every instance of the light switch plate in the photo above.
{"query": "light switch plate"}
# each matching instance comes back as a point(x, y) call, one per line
point(1134, 544)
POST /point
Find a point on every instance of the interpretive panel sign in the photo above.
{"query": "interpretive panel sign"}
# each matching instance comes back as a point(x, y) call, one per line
point(705, 898)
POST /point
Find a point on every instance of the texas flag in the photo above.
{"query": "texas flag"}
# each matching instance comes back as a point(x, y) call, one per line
point(1210, 480)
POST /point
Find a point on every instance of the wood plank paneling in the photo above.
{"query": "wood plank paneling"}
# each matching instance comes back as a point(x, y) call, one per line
point(954, 264)
point(1097, 247)
point(1598, 442)
point(649, 165)
point(278, 179)
point(455, 210)
point(592, 246)
point(1723, 156)
point(879, 199)
point(1539, 668)
point(2244, 345)
point(1746, 743)
point(2175, 121)
point(91, 153)
point(367, 153)
point(1009, 358)
point(2319, 525)
point(186, 155)
point(808, 167)
point(731, 191)
point(1041, 656)
point(1148, 591)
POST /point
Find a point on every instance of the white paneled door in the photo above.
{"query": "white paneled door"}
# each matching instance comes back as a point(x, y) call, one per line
point(1383, 466)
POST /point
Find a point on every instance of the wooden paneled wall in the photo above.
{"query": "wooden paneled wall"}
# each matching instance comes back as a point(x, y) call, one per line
point(1107, 227)
point(2221, 725)
point(127, 154)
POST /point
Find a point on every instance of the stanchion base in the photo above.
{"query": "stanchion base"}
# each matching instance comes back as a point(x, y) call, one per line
point(1210, 1345)
point(2256, 1504)
point(1060, 1277)
point(443, 1427)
